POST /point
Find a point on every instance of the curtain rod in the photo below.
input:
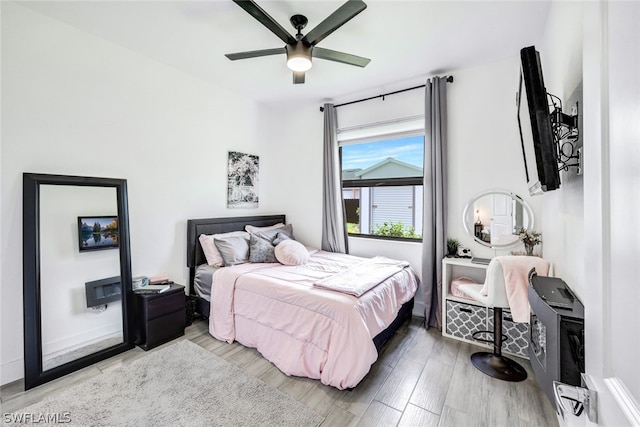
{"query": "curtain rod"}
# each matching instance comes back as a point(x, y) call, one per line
point(449, 80)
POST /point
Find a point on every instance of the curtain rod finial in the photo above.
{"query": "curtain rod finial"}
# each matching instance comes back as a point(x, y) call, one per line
point(321, 109)
point(450, 79)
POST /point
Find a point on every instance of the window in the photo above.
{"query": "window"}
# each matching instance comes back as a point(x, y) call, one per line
point(382, 179)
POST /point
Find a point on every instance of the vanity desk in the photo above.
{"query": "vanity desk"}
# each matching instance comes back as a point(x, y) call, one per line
point(491, 219)
point(461, 317)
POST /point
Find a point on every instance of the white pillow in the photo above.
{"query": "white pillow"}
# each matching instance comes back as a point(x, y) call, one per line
point(253, 229)
point(211, 252)
point(291, 252)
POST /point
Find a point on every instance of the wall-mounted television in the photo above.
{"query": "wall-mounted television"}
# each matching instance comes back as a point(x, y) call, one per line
point(97, 232)
point(539, 148)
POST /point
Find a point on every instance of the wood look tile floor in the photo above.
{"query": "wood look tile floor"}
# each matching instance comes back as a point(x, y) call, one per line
point(420, 379)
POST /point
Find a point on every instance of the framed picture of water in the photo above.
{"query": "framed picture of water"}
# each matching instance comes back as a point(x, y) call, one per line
point(97, 232)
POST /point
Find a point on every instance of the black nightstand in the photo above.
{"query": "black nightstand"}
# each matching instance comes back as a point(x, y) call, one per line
point(159, 317)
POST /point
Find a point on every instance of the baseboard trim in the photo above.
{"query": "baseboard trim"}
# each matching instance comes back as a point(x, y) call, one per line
point(11, 371)
point(73, 342)
point(624, 399)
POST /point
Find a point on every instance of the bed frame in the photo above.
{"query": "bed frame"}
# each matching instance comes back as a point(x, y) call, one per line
point(195, 257)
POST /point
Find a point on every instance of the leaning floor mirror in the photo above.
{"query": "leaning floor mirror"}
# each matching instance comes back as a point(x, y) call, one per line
point(76, 274)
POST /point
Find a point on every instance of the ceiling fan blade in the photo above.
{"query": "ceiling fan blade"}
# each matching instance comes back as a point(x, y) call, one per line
point(345, 58)
point(334, 21)
point(263, 17)
point(298, 77)
point(255, 53)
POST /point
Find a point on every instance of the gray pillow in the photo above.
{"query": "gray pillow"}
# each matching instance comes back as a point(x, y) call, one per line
point(280, 237)
point(271, 235)
point(234, 249)
point(261, 249)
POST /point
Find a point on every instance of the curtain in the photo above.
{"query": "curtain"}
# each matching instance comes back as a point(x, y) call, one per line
point(334, 230)
point(435, 198)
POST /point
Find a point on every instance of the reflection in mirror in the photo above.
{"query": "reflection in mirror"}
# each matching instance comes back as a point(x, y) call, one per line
point(66, 329)
point(494, 218)
point(73, 325)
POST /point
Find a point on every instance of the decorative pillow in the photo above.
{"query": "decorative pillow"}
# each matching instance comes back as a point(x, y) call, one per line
point(271, 235)
point(253, 229)
point(280, 237)
point(290, 252)
point(211, 252)
point(261, 249)
point(234, 249)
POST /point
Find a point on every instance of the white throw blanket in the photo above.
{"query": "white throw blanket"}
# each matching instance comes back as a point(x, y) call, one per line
point(363, 276)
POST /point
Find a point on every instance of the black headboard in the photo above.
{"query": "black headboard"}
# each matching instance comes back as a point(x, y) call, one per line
point(196, 227)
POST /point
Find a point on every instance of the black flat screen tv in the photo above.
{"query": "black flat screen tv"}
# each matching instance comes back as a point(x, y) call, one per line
point(97, 232)
point(536, 132)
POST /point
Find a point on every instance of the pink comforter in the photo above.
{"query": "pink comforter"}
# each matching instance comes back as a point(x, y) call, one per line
point(306, 331)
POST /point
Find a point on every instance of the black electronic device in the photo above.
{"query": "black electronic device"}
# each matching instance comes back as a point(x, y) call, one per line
point(539, 148)
point(553, 291)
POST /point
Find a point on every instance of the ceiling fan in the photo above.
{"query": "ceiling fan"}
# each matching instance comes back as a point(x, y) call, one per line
point(301, 48)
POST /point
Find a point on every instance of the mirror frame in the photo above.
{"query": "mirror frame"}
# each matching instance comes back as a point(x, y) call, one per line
point(514, 196)
point(33, 373)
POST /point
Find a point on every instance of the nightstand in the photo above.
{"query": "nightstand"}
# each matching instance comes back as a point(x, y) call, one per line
point(159, 317)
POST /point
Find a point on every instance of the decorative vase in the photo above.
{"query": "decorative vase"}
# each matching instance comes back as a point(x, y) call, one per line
point(529, 249)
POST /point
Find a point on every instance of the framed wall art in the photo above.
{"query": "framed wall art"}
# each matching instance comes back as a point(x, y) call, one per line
point(242, 180)
point(97, 232)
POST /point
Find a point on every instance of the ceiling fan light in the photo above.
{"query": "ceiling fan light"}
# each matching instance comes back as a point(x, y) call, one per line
point(298, 57)
point(299, 63)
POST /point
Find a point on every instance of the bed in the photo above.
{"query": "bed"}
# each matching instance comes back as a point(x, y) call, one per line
point(304, 330)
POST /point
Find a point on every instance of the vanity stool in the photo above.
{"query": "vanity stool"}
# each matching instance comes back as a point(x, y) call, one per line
point(495, 364)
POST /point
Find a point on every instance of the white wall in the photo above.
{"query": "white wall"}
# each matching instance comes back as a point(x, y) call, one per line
point(611, 50)
point(562, 216)
point(484, 153)
point(293, 139)
point(484, 143)
point(67, 323)
point(590, 236)
point(65, 93)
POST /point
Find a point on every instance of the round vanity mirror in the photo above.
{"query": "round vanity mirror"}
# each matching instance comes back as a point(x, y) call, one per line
point(494, 218)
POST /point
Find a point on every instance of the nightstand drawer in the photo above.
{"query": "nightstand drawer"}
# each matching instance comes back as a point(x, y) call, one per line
point(162, 305)
point(164, 329)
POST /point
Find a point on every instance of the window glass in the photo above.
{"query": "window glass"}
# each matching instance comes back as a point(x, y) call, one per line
point(382, 187)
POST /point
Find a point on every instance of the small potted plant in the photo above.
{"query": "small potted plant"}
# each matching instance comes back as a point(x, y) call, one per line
point(452, 247)
point(530, 239)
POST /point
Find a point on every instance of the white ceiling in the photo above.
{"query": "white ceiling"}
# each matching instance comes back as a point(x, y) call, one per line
point(406, 40)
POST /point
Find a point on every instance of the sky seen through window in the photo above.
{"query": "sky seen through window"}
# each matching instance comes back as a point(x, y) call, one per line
point(362, 156)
